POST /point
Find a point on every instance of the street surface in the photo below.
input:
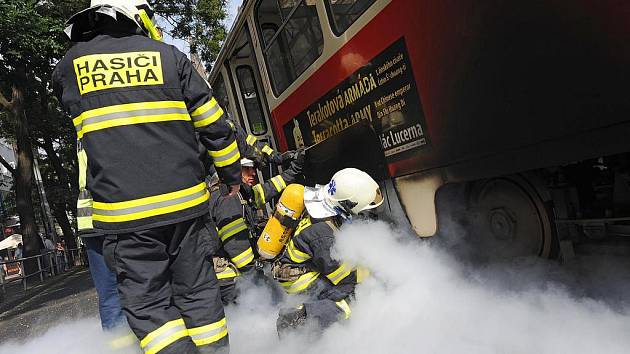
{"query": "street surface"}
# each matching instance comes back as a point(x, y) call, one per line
point(65, 298)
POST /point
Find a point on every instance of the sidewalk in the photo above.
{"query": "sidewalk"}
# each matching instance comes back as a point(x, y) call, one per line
point(15, 294)
point(62, 299)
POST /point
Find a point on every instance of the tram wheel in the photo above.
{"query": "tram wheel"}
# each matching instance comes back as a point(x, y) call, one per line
point(509, 219)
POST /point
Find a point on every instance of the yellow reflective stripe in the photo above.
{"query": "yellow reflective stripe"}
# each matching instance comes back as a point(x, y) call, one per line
point(209, 333)
point(251, 140)
point(130, 113)
point(340, 273)
point(164, 336)
point(124, 341)
point(207, 114)
point(229, 272)
point(301, 284)
point(343, 305)
point(204, 108)
point(279, 183)
point(295, 254)
point(232, 229)
point(244, 258)
point(304, 223)
point(282, 182)
point(151, 206)
point(259, 195)
point(226, 156)
point(267, 150)
point(84, 223)
point(362, 274)
point(82, 158)
point(84, 203)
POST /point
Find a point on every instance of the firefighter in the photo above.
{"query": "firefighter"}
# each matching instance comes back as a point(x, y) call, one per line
point(137, 105)
point(238, 223)
point(307, 266)
point(104, 279)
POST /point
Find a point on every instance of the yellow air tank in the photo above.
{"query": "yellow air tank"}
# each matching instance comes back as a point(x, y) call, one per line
point(284, 220)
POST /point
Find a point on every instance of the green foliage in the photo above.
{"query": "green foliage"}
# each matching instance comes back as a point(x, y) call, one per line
point(32, 38)
point(200, 22)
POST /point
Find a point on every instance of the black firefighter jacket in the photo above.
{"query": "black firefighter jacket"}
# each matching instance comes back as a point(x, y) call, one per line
point(234, 215)
point(136, 104)
point(310, 248)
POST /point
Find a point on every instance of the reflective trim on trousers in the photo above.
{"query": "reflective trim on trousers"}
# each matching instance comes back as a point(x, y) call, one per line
point(301, 284)
point(150, 206)
point(124, 342)
point(209, 333)
point(164, 336)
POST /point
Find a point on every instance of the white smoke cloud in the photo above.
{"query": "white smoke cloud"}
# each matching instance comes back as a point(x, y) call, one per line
point(418, 300)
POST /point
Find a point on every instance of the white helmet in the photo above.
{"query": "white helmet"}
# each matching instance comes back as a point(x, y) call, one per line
point(349, 192)
point(138, 11)
point(245, 162)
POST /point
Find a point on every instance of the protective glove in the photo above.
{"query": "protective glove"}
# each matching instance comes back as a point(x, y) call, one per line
point(299, 157)
point(275, 158)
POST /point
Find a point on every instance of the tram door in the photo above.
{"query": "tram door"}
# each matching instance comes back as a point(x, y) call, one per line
point(250, 97)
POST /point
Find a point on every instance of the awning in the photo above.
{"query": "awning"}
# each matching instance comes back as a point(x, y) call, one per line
point(11, 241)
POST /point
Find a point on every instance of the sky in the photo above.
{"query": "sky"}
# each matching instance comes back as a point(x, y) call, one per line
point(232, 7)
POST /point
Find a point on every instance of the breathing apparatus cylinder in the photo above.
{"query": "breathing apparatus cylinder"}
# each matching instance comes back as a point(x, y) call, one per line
point(280, 226)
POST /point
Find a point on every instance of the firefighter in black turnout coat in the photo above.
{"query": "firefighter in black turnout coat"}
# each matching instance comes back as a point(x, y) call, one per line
point(307, 266)
point(138, 106)
point(238, 221)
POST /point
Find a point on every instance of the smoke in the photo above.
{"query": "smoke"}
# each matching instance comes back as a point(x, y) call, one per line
point(418, 299)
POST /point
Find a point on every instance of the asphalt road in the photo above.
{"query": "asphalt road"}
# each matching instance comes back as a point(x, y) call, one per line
point(69, 297)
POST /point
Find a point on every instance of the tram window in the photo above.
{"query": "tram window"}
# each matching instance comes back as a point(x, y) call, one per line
point(251, 101)
point(292, 38)
point(343, 13)
point(219, 91)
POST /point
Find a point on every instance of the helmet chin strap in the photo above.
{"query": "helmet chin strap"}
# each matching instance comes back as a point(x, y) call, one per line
point(345, 216)
point(149, 26)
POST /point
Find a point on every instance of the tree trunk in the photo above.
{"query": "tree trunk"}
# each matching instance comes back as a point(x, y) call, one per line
point(59, 211)
point(60, 208)
point(24, 177)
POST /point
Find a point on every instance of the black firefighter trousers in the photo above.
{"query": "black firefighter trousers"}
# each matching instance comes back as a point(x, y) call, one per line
point(168, 291)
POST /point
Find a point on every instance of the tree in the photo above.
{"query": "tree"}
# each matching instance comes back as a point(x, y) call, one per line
point(31, 41)
point(200, 22)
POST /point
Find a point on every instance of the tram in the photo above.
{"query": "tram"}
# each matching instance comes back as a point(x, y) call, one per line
point(507, 119)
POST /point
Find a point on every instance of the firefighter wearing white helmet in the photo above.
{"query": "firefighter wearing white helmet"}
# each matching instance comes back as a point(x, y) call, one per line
point(140, 111)
point(238, 221)
point(307, 265)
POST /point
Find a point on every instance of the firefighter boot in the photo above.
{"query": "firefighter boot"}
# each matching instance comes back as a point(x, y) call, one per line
point(289, 319)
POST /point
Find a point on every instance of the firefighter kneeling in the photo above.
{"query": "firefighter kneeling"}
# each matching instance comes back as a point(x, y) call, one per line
point(237, 221)
point(307, 266)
